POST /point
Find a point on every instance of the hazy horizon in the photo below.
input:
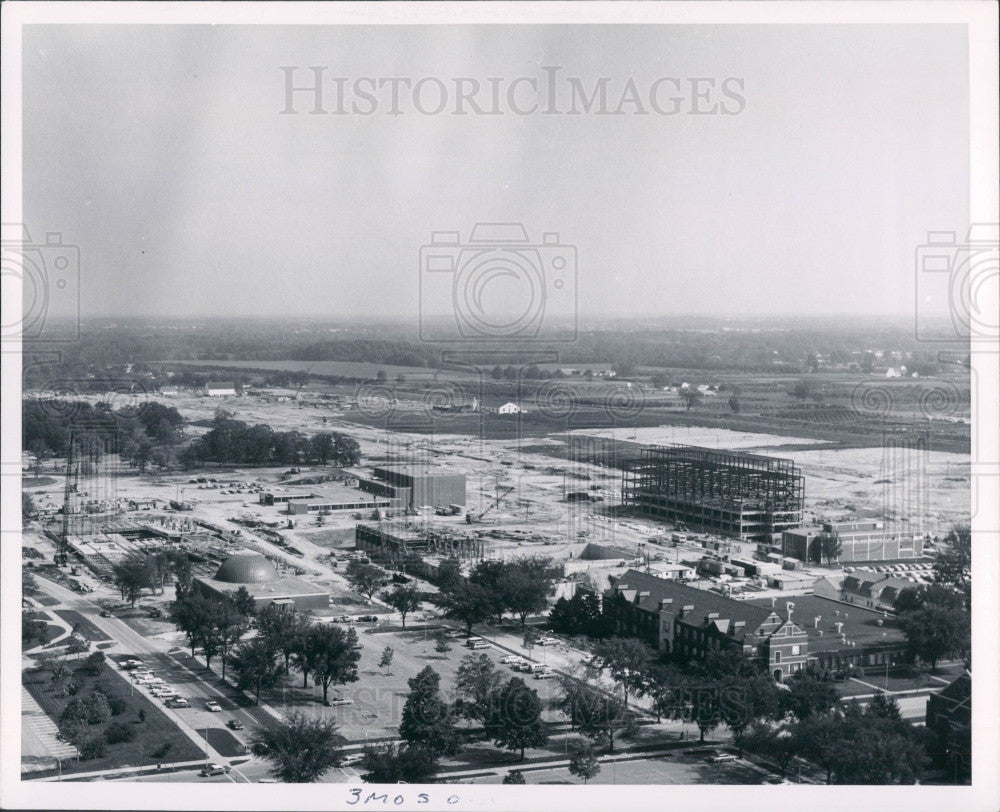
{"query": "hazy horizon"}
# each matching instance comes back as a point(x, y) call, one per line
point(161, 153)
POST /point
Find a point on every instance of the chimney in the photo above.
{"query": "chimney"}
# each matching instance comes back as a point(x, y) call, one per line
point(788, 608)
point(820, 632)
point(773, 600)
point(816, 621)
point(665, 603)
point(838, 627)
point(686, 609)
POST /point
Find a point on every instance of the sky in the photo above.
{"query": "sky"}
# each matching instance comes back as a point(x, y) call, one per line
point(163, 153)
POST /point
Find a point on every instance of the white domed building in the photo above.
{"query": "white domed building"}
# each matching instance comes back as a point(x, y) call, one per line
point(265, 584)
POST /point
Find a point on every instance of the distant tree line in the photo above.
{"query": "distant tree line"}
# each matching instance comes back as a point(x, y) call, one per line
point(142, 435)
point(235, 442)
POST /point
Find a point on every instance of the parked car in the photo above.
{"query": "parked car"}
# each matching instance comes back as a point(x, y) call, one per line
point(510, 659)
point(213, 769)
point(105, 613)
point(546, 641)
point(544, 675)
point(352, 758)
point(178, 702)
point(718, 758)
point(341, 701)
point(234, 724)
point(213, 706)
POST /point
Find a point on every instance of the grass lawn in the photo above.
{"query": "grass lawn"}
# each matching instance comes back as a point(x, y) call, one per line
point(150, 746)
point(224, 742)
point(82, 625)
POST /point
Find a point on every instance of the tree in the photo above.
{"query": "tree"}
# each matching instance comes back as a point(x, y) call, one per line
point(808, 694)
point(255, 665)
point(830, 546)
point(627, 659)
point(449, 575)
point(118, 732)
point(802, 389)
point(953, 562)
point(332, 655)
point(476, 681)
point(243, 602)
point(874, 749)
point(131, 576)
point(775, 742)
point(513, 777)
point(692, 397)
point(226, 627)
point(513, 718)
point(442, 645)
point(366, 578)
point(530, 639)
point(392, 763)
point(33, 632)
point(818, 737)
point(28, 509)
point(387, 655)
point(467, 602)
point(580, 614)
point(284, 628)
point(29, 586)
point(584, 763)
point(94, 663)
point(299, 749)
point(404, 598)
point(936, 631)
point(597, 715)
point(426, 719)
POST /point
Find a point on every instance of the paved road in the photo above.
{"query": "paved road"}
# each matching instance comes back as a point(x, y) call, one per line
point(191, 679)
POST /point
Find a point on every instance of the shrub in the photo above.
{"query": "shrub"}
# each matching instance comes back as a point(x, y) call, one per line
point(118, 705)
point(94, 663)
point(119, 732)
point(92, 746)
point(98, 709)
point(162, 750)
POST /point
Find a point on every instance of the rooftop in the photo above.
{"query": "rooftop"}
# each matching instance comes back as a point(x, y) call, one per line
point(289, 586)
point(704, 603)
point(860, 625)
point(246, 567)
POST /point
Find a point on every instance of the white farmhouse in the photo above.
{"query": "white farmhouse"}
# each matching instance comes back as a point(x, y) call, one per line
point(510, 408)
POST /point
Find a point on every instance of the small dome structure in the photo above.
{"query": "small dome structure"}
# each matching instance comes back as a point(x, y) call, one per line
point(246, 568)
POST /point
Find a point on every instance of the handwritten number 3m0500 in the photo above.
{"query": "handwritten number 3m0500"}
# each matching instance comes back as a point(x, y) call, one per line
point(384, 798)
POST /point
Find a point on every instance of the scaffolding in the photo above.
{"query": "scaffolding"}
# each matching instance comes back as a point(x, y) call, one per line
point(745, 496)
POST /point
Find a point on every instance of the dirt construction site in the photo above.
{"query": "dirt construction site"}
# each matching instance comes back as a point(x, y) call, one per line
point(516, 491)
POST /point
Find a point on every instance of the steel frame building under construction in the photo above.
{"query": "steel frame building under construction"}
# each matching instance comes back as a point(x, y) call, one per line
point(746, 496)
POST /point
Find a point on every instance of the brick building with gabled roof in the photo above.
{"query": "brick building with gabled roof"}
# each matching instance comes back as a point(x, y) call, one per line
point(689, 623)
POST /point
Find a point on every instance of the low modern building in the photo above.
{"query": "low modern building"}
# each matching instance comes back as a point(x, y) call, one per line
point(340, 498)
point(861, 540)
point(415, 487)
point(265, 585)
point(879, 592)
point(220, 389)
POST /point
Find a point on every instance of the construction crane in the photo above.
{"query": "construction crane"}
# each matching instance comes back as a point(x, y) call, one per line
point(62, 556)
point(500, 495)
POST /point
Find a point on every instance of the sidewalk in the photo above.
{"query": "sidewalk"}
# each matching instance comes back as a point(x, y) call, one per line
point(122, 772)
point(39, 730)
